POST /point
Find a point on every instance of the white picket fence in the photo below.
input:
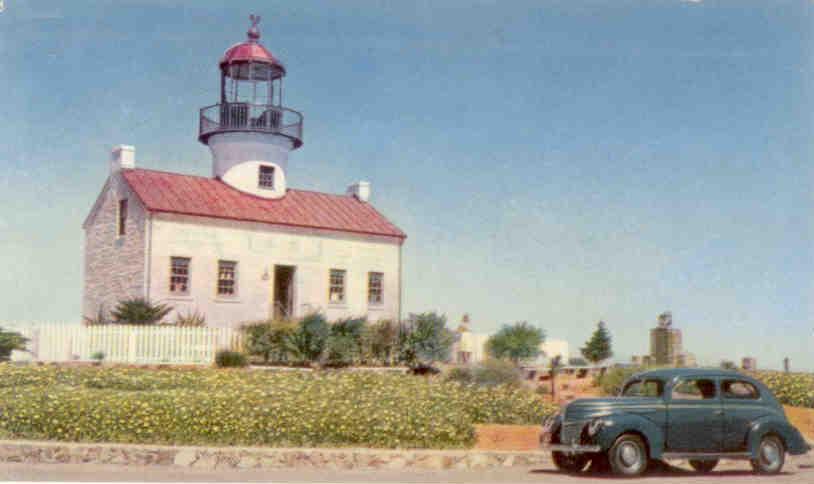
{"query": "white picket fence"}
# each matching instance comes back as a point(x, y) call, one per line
point(125, 344)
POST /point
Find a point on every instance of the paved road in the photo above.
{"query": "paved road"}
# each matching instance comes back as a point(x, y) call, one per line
point(796, 472)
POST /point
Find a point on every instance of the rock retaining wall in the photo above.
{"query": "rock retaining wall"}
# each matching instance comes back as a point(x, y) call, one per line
point(253, 458)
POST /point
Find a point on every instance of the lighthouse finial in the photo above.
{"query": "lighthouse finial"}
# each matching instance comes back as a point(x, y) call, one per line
point(254, 32)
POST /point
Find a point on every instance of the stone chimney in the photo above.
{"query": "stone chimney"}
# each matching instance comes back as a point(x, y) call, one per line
point(360, 190)
point(122, 157)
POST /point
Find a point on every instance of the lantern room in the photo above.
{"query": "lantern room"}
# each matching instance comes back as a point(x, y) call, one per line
point(251, 94)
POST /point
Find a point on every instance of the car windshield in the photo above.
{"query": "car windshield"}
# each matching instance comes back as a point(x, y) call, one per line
point(643, 388)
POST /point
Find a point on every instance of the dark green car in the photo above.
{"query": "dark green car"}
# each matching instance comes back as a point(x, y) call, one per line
point(696, 414)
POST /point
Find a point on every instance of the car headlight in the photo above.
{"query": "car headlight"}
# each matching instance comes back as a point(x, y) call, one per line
point(594, 426)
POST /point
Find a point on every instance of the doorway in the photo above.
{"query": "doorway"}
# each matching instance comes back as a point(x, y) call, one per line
point(284, 292)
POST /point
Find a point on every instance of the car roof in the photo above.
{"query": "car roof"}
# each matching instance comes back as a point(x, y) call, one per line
point(670, 373)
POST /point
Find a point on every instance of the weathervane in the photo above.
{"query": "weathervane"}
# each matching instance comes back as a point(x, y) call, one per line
point(254, 32)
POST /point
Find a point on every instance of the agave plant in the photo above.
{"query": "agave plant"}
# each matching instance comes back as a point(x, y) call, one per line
point(139, 311)
point(190, 320)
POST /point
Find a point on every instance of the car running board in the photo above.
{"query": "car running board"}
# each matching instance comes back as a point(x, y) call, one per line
point(706, 455)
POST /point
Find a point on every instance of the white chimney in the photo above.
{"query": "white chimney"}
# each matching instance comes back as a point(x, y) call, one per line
point(122, 157)
point(360, 190)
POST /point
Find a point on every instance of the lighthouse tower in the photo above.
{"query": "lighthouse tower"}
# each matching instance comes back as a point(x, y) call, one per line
point(249, 131)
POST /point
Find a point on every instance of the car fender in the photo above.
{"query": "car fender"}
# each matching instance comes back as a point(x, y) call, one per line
point(793, 440)
point(619, 424)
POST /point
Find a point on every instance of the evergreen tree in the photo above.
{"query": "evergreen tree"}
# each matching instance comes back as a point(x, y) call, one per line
point(598, 348)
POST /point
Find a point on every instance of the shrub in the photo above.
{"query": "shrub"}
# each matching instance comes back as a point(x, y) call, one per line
point(344, 343)
point(461, 375)
point(494, 372)
point(190, 320)
point(424, 339)
point(270, 340)
point(253, 408)
point(139, 311)
point(98, 357)
point(10, 341)
point(611, 383)
point(307, 342)
point(230, 359)
point(380, 342)
point(520, 341)
point(796, 389)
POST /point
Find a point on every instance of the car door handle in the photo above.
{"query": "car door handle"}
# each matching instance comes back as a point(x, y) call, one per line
point(718, 412)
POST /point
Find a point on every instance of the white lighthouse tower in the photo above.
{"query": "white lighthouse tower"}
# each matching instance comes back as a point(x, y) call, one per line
point(249, 131)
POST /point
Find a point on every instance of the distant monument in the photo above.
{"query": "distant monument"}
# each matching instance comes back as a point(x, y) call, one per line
point(786, 364)
point(749, 363)
point(666, 345)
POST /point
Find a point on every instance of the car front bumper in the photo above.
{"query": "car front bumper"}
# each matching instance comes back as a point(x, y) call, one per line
point(572, 449)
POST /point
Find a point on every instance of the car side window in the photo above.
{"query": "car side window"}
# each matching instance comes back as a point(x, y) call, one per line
point(694, 389)
point(644, 388)
point(739, 390)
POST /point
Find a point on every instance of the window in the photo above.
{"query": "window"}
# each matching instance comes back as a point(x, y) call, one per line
point(336, 292)
point(374, 287)
point(121, 219)
point(266, 177)
point(179, 275)
point(644, 388)
point(227, 284)
point(741, 390)
point(694, 389)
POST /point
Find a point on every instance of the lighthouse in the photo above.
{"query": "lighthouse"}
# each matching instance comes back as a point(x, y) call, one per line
point(249, 131)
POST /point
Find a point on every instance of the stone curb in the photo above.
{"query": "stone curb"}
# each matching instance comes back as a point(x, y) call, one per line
point(35, 452)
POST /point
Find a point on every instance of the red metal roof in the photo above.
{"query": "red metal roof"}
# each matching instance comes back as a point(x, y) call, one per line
point(249, 51)
point(209, 197)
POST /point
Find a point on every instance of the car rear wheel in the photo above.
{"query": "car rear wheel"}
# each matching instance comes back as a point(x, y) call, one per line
point(771, 454)
point(628, 456)
point(704, 465)
point(571, 463)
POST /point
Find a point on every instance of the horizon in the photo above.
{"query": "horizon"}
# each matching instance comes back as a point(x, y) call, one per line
point(554, 162)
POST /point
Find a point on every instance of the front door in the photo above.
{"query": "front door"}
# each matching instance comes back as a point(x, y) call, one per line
point(695, 420)
point(284, 292)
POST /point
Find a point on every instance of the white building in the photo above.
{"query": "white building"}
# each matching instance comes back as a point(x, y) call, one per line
point(241, 245)
point(471, 348)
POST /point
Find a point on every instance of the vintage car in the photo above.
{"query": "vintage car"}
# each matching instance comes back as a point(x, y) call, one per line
point(701, 415)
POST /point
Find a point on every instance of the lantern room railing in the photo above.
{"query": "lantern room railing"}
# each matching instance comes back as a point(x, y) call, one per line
point(239, 116)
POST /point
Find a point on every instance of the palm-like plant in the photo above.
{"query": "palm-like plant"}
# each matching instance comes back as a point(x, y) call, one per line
point(10, 341)
point(139, 311)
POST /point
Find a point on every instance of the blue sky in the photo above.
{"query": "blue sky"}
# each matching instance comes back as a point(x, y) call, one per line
point(559, 162)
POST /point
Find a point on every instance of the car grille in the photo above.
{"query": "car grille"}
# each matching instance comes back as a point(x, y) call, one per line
point(571, 432)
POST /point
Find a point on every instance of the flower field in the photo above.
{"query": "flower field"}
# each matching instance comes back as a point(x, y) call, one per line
point(239, 407)
point(795, 389)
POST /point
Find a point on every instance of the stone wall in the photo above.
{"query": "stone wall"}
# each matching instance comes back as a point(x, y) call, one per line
point(261, 458)
point(114, 265)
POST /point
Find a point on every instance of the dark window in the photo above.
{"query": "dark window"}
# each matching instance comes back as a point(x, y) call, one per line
point(374, 288)
point(121, 224)
point(179, 275)
point(336, 292)
point(644, 388)
point(694, 389)
point(736, 389)
point(266, 177)
point(227, 278)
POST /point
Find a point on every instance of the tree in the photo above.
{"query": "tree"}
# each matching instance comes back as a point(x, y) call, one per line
point(516, 342)
point(728, 365)
point(10, 341)
point(424, 339)
point(139, 311)
point(598, 348)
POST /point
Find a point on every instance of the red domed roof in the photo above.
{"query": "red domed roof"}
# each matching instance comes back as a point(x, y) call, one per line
point(249, 51)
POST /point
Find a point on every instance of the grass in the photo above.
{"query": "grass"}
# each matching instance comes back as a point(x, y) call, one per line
point(257, 408)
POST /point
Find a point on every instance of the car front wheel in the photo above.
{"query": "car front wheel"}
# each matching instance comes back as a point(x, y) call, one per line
point(571, 463)
point(628, 456)
point(704, 465)
point(771, 454)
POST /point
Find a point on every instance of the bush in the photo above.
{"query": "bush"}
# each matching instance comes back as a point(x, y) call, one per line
point(424, 339)
point(10, 341)
point(496, 372)
point(139, 311)
point(230, 359)
point(461, 375)
point(253, 408)
point(307, 342)
point(190, 320)
point(270, 340)
point(611, 383)
point(344, 344)
point(380, 342)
